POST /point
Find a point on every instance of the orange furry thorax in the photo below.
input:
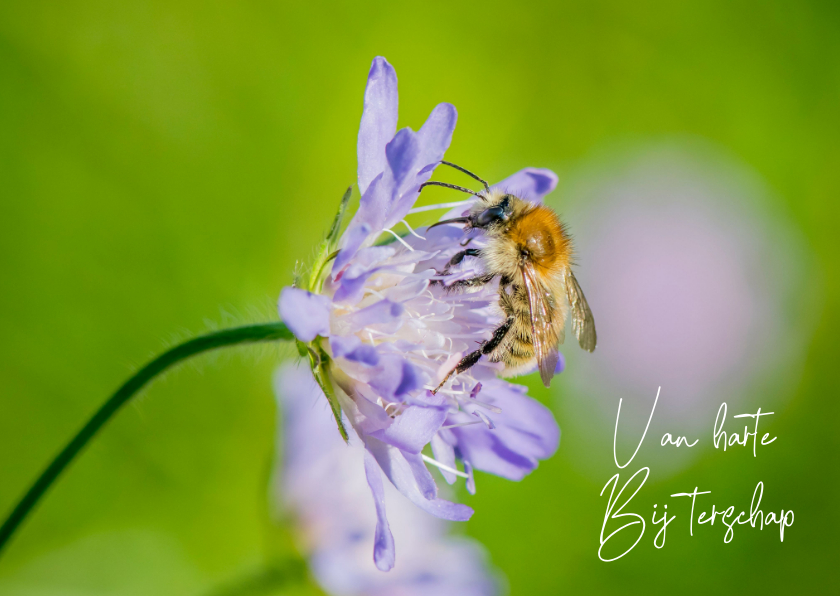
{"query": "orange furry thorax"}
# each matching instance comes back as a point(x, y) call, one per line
point(540, 236)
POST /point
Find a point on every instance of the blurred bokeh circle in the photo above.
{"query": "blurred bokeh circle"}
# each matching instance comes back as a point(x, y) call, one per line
point(696, 287)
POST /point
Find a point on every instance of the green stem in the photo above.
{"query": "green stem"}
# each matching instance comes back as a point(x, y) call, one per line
point(211, 341)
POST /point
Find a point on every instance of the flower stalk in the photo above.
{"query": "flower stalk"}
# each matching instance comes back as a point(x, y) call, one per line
point(211, 341)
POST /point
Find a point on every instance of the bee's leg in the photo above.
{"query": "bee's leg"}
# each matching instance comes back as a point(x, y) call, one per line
point(462, 284)
point(458, 257)
point(470, 360)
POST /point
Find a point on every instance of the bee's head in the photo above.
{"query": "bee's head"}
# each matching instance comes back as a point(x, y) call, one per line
point(492, 211)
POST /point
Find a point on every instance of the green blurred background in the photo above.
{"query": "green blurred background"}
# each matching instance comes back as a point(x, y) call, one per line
point(164, 164)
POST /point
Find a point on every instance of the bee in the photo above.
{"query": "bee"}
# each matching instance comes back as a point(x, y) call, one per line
point(529, 251)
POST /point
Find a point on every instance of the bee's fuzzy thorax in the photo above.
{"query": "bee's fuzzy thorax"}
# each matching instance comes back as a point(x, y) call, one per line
point(531, 231)
point(540, 236)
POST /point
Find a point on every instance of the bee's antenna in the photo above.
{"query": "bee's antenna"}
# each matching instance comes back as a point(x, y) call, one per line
point(467, 172)
point(453, 186)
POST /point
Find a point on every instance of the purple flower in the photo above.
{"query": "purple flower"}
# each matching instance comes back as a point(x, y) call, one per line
point(384, 337)
point(320, 483)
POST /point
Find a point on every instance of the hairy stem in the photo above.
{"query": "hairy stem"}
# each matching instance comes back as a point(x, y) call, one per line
point(211, 341)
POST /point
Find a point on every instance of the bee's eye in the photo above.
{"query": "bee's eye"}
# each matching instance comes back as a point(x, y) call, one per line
point(490, 215)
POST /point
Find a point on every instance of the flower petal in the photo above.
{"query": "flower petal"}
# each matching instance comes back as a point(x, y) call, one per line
point(351, 348)
point(424, 479)
point(400, 473)
point(470, 477)
point(445, 454)
point(366, 416)
point(379, 120)
point(306, 314)
point(395, 377)
point(436, 134)
point(531, 184)
point(384, 311)
point(366, 222)
point(413, 428)
point(433, 140)
point(352, 279)
point(409, 382)
point(409, 160)
point(384, 551)
point(402, 154)
point(351, 242)
point(525, 433)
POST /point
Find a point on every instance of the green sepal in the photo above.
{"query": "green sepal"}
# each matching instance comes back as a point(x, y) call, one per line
point(332, 236)
point(320, 361)
point(313, 281)
point(327, 251)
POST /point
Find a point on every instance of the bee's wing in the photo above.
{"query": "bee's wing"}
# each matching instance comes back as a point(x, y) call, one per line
point(583, 322)
point(542, 331)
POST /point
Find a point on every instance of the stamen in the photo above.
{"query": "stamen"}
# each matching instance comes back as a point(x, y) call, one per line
point(494, 409)
point(411, 230)
point(462, 336)
point(397, 236)
point(463, 424)
point(454, 392)
point(485, 420)
point(434, 462)
point(449, 392)
point(396, 408)
point(440, 206)
point(431, 301)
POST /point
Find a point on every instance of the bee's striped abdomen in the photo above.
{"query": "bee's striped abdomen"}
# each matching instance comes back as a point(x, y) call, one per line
point(517, 350)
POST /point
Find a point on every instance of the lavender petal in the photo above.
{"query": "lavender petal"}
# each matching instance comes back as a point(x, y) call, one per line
point(410, 380)
point(433, 140)
point(413, 428)
point(395, 377)
point(445, 454)
point(351, 242)
point(402, 154)
point(306, 314)
point(436, 134)
point(384, 551)
point(470, 477)
point(526, 432)
point(384, 311)
point(352, 348)
point(531, 184)
point(424, 479)
point(399, 472)
point(379, 120)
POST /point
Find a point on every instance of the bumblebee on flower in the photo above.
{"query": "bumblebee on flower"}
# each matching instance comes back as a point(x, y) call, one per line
point(391, 329)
